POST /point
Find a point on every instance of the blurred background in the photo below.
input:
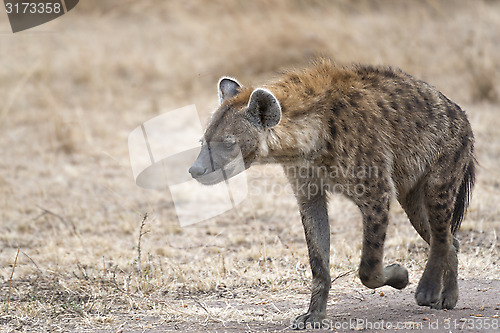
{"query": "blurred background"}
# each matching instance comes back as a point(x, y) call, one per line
point(73, 89)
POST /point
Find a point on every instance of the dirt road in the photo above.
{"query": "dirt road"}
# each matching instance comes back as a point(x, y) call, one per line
point(383, 311)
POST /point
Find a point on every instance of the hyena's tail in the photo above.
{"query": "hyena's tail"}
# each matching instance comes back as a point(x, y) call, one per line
point(463, 197)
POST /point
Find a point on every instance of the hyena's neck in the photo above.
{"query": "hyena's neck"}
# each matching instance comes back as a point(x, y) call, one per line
point(291, 141)
point(301, 133)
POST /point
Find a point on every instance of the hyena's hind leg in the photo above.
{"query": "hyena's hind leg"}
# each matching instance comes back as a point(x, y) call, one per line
point(371, 270)
point(445, 198)
point(414, 205)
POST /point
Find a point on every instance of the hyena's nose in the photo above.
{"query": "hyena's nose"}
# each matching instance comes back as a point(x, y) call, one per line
point(197, 170)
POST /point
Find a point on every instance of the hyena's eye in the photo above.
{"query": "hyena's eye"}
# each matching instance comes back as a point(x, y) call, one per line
point(229, 144)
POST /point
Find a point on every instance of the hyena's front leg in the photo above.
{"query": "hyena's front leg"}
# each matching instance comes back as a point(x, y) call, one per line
point(313, 210)
point(317, 230)
point(371, 270)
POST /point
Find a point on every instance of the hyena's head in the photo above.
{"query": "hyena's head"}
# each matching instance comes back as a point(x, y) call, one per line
point(237, 127)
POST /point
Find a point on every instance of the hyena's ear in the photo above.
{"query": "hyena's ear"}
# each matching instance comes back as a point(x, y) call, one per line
point(264, 108)
point(228, 88)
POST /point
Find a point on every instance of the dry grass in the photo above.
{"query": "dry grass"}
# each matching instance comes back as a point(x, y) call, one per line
point(74, 88)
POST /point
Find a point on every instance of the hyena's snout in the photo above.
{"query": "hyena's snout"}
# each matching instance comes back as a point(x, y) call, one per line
point(202, 165)
point(217, 163)
point(197, 170)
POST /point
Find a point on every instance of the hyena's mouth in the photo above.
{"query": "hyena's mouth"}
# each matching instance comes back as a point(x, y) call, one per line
point(211, 178)
point(230, 170)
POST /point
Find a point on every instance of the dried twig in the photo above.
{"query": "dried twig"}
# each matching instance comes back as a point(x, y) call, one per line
point(40, 273)
point(10, 280)
point(202, 246)
point(115, 283)
point(65, 221)
point(341, 275)
point(194, 246)
point(141, 233)
point(360, 297)
point(209, 315)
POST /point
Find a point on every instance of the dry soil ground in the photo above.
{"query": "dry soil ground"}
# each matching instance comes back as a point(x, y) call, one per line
point(382, 311)
point(73, 89)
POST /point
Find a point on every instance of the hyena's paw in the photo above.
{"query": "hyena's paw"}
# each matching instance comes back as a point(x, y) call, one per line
point(449, 296)
point(309, 320)
point(396, 276)
point(429, 294)
point(448, 300)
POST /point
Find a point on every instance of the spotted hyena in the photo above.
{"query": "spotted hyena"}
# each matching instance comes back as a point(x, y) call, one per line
point(412, 142)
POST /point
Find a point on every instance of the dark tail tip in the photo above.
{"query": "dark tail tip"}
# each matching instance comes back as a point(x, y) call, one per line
point(463, 197)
